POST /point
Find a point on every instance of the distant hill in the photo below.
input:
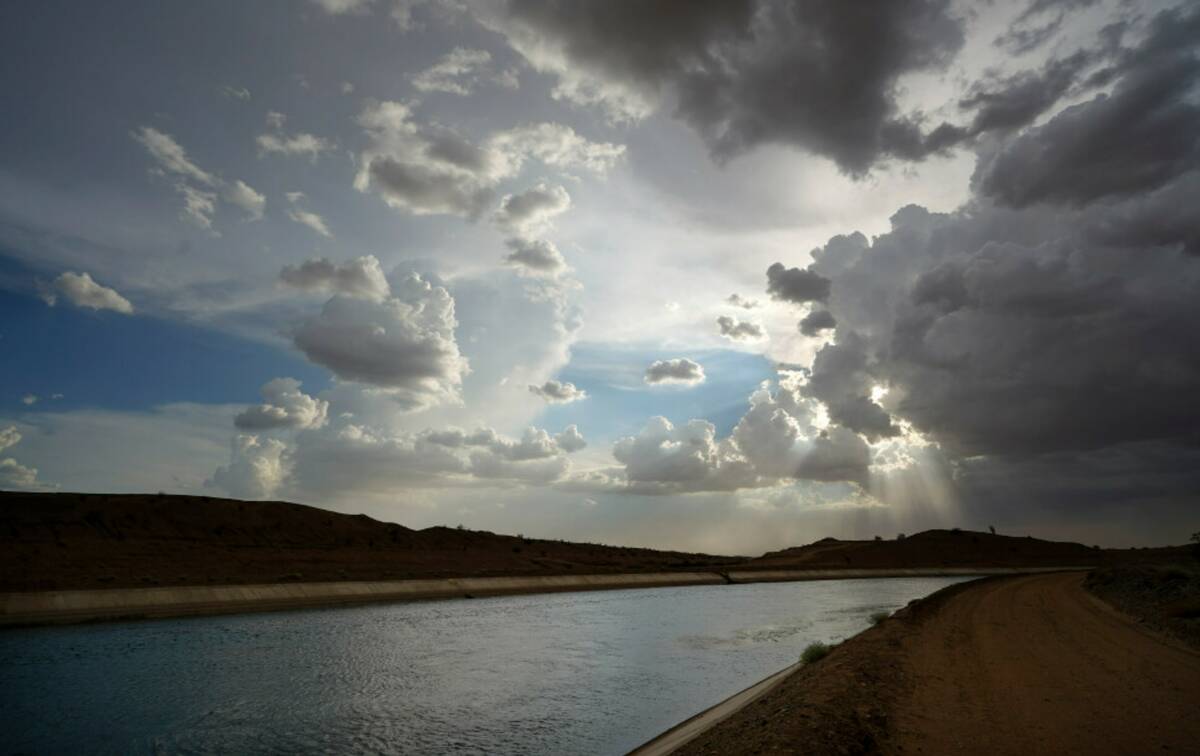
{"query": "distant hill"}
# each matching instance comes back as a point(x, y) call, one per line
point(63, 540)
point(951, 548)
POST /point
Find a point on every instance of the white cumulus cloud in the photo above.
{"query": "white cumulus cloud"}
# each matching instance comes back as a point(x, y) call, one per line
point(80, 290)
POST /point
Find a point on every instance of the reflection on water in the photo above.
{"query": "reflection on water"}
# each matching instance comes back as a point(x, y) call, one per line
point(566, 673)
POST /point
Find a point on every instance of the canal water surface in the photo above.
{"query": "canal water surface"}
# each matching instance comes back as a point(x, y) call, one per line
point(563, 673)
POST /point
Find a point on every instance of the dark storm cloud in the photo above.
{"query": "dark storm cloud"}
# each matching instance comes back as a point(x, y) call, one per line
point(1015, 101)
point(816, 321)
point(796, 285)
point(1009, 332)
point(1035, 26)
point(1043, 334)
point(842, 379)
point(1139, 137)
point(817, 74)
point(1022, 39)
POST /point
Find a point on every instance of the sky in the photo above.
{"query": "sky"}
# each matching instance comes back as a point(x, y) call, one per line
point(718, 275)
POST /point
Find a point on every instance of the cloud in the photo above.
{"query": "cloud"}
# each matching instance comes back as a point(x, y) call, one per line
point(1012, 102)
point(9, 436)
point(558, 146)
point(536, 256)
point(570, 440)
point(16, 476)
point(737, 300)
point(775, 443)
point(306, 217)
point(1135, 139)
point(199, 206)
point(740, 330)
point(456, 438)
point(531, 211)
point(310, 219)
point(430, 169)
point(80, 290)
point(996, 322)
point(236, 93)
point(361, 277)
point(536, 443)
point(198, 188)
point(818, 74)
point(348, 457)
point(424, 170)
point(354, 458)
point(842, 379)
point(403, 345)
point(171, 157)
point(279, 142)
point(284, 406)
point(677, 371)
point(486, 464)
point(779, 437)
point(555, 392)
point(796, 285)
point(255, 470)
point(663, 458)
point(341, 7)
point(1031, 29)
point(816, 321)
point(241, 195)
point(1035, 340)
point(461, 71)
point(29, 400)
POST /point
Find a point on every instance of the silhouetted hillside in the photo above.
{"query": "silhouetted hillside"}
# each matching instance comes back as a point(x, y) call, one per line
point(61, 541)
point(950, 548)
point(58, 541)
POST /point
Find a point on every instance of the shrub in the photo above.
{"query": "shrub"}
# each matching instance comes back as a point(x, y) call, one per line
point(814, 652)
point(879, 617)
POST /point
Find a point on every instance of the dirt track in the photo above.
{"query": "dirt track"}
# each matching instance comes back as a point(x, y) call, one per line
point(1026, 665)
point(1038, 665)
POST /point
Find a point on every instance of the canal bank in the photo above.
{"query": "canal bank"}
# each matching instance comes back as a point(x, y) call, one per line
point(63, 607)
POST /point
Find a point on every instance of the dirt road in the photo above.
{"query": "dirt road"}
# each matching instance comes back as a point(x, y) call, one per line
point(1023, 665)
point(1038, 665)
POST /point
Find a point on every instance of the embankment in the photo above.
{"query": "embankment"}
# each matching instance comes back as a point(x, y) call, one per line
point(55, 607)
point(1018, 665)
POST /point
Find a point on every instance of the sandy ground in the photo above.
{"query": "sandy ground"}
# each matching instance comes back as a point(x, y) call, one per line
point(1024, 665)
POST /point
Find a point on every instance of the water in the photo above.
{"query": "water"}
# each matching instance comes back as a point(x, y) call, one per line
point(566, 673)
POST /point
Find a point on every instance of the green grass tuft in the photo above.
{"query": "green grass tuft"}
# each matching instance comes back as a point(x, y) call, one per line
point(814, 652)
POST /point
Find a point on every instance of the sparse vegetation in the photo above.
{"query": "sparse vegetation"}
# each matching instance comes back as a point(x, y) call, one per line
point(879, 617)
point(1164, 596)
point(814, 652)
